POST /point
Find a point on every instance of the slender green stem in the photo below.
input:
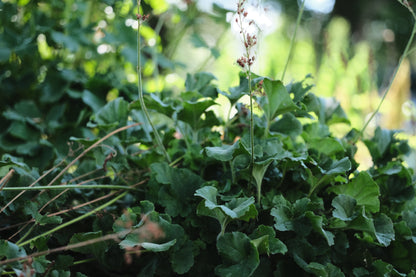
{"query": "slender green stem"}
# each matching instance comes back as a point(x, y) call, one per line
point(61, 187)
point(140, 90)
point(84, 261)
point(233, 177)
point(292, 42)
point(402, 57)
point(74, 220)
point(251, 119)
point(26, 234)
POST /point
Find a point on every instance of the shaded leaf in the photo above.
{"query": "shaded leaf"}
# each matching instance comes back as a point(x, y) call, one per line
point(240, 255)
point(222, 153)
point(363, 189)
point(317, 225)
point(344, 207)
point(271, 245)
point(384, 229)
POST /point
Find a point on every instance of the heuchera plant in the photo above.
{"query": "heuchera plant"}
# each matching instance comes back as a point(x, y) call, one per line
point(273, 193)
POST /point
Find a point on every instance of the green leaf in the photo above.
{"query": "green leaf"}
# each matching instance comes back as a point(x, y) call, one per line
point(154, 247)
point(237, 92)
point(209, 194)
point(328, 146)
point(222, 153)
point(60, 273)
point(363, 223)
point(183, 258)
point(64, 261)
point(92, 100)
point(258, 173)
point(192, 112)
point(344, 207)
point(299, 90)
point(330, 111)
point(44, 219)
point(133, 240)
point(10, 250)
point(277, 99)
point(114, 113)
point(97, 249)
point(384, 229)
point(40, 264)
point(339, 167)
point(317, 225)
point(363, 189)
point(240, 255)
point(200, 82)
point(379, 144)
point(179, 189)
point(243, 208)
point(153, 102)
point(282, 213)
point(328, 270)
point(288, 125)
point(271, 245)
point(385, 269)
point(237, 208)
point(409, 217)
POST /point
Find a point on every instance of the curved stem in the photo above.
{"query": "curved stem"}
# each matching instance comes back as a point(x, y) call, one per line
point(292, 42)
point(402, 57)
point(140, 90)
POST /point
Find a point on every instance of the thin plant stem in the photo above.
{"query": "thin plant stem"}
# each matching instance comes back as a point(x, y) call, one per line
point(249, 41)
point(292, 42)
point(140, 20)
point(65, 211)
point(114, 237)
point(26, 234)
point(60, 187)
point(61, 193)
point(89, 149)
point(61, 212)
point(73, 220)
point(6, 178)
point(402, 57)
point(251, 119)
point(31, 185)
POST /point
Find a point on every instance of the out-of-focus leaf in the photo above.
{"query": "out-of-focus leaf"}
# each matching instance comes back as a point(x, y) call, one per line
point(222, 153)
point(240, 255)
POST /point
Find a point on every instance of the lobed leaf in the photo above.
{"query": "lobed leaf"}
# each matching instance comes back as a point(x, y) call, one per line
point(240, 255)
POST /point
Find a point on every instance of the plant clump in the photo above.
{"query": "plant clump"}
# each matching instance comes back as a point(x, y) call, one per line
point(285, 197)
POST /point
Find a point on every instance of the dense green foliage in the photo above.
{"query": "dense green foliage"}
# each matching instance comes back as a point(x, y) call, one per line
point(302, 209)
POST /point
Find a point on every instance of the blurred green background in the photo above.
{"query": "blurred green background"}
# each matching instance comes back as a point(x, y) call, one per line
point(60, 61)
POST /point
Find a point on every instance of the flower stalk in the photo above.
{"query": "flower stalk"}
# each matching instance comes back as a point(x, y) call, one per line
point(140, 19)
point(246, 61)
